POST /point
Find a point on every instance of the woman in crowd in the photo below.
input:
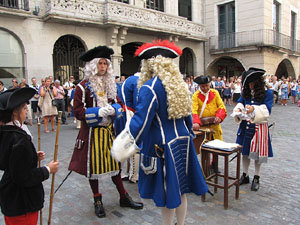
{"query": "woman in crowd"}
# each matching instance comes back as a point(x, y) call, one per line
point(237, 89)
point(252, 112)
point(293, 91)
point(284, 92)
point(21, 189)
point(48, 92)
point(227, 91)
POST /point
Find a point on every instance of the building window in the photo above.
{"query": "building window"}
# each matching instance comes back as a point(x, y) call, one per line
point(155, 4)
point(185, 9)
point(11, 58)
point(276, 16)
point(227, 25)
point(124, 1)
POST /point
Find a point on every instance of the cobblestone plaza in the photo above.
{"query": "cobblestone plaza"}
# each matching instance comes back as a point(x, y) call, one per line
point(276, 202)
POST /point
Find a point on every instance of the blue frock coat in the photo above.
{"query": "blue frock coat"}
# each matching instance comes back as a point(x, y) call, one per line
point(164, 177)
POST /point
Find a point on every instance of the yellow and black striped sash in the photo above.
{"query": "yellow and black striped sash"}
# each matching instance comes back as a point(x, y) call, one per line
point(101, 160)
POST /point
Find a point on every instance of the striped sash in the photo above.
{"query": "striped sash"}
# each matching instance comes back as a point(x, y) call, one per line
point(259, 146)
point(100, 158)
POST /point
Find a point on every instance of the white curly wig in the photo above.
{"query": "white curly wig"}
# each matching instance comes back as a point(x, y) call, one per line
point(101, 84)
point(178, 96)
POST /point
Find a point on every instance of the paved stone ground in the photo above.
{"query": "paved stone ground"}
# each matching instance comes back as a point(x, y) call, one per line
point(276, 202)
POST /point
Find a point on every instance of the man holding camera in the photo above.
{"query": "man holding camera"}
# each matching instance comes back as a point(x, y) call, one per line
point(60, 103)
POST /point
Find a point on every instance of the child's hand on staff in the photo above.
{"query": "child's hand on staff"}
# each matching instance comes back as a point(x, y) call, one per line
point(41, 155)
point(53, 166)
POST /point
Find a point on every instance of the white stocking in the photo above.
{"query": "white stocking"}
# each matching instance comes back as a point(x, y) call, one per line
point(167, 216)
point(257, 168)
point(246, 164)
point(181, 210)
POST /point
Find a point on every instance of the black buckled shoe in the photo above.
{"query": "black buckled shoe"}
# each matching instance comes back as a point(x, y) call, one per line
point(99, 209)
point(244, 179)
point(255, 183)
point(128, 202)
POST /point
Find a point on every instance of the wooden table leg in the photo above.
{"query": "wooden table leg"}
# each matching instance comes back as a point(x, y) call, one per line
point(237, 186)
point(226, 182)
point(216, 156)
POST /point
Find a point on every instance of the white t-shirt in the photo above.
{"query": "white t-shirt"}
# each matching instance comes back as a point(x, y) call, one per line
point(67, 85)
point(237, 89)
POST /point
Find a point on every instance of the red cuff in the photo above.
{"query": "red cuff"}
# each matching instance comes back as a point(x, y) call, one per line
point(196, 119)
point(221, 113)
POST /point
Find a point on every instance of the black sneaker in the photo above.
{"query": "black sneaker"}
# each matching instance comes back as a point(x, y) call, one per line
point(255, 183)
point(244, 179)
point(99, 209)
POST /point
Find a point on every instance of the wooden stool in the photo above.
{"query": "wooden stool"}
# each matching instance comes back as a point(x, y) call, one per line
point(205, 159)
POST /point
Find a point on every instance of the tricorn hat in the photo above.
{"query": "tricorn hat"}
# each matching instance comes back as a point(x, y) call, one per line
point(202, 79)
point(164, 48)
point(11, 99)
point(97, 52)
point(251, 75)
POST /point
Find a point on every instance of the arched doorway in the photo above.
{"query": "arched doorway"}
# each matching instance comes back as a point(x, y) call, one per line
point(130, 64)
point(65, 58)
point(225, 66)
point(285, 69)
point(186, 62)
point(11, 58)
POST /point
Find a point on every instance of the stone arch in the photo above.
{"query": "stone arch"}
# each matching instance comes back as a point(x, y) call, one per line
point(187, 62)
point(130, 64)
point(12, 56)
point(285, 68)
point(66, 51)
point(225, 65)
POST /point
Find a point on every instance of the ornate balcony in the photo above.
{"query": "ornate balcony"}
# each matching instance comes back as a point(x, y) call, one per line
point(241, 41)
point(109, 13)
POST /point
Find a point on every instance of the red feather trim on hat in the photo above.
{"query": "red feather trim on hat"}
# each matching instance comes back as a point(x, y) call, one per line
point(164, 43)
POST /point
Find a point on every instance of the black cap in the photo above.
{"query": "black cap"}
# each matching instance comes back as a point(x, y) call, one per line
point(97, 52)
point(202, 79)
point(251, 75)
point(11, 99)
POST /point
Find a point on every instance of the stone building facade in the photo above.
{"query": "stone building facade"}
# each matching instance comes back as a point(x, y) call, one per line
point(40, 38)
point(245, 33)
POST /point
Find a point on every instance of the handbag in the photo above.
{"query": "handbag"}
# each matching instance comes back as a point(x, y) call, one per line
point(53, 101)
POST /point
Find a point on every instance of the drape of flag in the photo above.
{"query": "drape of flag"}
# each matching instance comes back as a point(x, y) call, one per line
point(259, 147)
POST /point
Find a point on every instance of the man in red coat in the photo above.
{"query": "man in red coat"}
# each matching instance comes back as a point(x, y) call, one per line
point(94, 105)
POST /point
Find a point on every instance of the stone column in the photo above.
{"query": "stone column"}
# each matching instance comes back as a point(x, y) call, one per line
point(138, 3)
point(171, 7)
point(196, 11)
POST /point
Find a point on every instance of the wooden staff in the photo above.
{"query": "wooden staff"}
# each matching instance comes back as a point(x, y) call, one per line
point(39, 149)
point(53, 175)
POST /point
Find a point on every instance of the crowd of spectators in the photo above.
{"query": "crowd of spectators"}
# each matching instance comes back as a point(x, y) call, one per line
point(50, 98)
point(230, 89)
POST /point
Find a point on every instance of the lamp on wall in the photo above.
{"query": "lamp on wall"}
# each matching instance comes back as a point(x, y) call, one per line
point(36, 10)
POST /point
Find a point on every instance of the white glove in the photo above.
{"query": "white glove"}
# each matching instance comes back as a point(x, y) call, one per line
point(124, 146)
point(106, 111)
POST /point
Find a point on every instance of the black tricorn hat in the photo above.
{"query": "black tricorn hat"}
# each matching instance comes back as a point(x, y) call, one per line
point(164, 48)
point(11, 99)
point(202, 79)
point(251, 75)
point(97, 52)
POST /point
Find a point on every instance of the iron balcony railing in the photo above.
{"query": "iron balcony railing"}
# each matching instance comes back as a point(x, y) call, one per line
point(253, 38)
point(15, 4)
